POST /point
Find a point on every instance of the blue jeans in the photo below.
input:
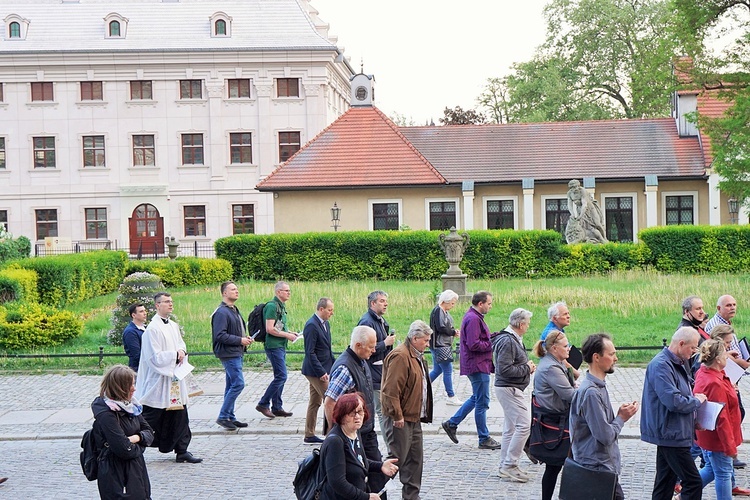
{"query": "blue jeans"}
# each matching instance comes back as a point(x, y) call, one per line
point(235, 382)
point(479, 402)
point(446, 368)
point(719, 468)
point(272, 396)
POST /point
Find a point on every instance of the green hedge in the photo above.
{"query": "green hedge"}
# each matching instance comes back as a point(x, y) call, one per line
point(65, 279)
point(184, 271)
point(18, 284)
point(27, 325)
point(17, 248)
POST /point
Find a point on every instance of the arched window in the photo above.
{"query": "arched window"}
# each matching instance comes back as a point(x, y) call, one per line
point(15, 30)
point(221, 27)
point(114, 28)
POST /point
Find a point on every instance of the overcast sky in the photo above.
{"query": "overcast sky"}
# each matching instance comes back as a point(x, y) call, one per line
point(427, 55)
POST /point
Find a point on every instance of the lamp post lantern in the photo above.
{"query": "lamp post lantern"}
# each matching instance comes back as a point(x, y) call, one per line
point(335, 217)
point(734, 207)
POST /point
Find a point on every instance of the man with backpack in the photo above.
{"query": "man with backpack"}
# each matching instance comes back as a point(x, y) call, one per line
point(277, 337)
point(230, 343)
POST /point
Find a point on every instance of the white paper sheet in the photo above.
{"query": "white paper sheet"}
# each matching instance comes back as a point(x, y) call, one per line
point(744, 350)
point(181, 371)
point(733, 370)
point(708, 413)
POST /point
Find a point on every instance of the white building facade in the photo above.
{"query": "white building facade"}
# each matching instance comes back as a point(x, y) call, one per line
point(122, 122)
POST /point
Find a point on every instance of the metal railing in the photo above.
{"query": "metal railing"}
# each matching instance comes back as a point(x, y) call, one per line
point(194, 249)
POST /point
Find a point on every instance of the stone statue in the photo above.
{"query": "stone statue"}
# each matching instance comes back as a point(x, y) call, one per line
point(586, 223)
point(454, 246)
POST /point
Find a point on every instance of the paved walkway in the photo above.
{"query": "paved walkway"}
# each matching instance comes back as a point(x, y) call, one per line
point(42, 418)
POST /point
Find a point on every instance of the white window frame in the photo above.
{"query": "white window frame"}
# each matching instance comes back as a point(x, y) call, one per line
point(371, 202)
point(664, 195)
point(113, 16)
point(220, 16)
point(603, 197)
point(543, 207)
point(427, 202)
point(485, 199)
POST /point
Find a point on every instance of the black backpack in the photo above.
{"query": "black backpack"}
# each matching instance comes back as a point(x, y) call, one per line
point(256, 325)
point(91, 455)
point(310, 478)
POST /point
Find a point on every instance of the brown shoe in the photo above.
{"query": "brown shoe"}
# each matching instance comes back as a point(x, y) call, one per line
point(265, 411)
point(281, 413)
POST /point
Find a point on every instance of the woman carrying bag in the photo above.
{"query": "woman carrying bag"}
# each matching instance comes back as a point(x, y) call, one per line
point(553, 392)
point(122, 433)
point(441, 343)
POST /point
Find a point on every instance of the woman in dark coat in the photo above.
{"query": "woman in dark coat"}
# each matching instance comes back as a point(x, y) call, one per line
point(342, 456)
point(441, 343)
point(122, 432)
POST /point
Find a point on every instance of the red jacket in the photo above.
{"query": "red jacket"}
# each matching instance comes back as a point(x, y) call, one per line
point(718, 388)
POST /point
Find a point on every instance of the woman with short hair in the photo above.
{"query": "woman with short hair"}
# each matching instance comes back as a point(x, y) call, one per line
point(441, 343)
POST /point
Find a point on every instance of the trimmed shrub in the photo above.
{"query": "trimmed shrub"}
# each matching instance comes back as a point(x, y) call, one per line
point(18, 284)
point(10, 248)
point(26, 325)
point(184, 271)
point(135, 288)
point(66, 279)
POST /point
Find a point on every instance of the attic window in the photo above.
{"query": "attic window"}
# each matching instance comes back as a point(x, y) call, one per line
point(116, 26)
point(15, 30)
point(16, 27)
point(221, 25)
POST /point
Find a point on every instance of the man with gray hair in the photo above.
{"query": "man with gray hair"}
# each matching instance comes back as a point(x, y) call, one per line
point(559, 317)
point(406, 399)
point(668, 416)
point(513, 370)
point(351, 373)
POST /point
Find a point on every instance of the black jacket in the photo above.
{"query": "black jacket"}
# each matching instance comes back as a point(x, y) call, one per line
point(318, 354)
point(381, 327)
point(345, 475)
point(227, 330)
point(442, 335)
point(122, 472)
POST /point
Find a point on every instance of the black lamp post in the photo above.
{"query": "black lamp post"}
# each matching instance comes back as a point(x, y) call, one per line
point(335, 216)
point(734, 207)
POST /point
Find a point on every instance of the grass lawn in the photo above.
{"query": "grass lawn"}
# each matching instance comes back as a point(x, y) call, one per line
point(638, 308)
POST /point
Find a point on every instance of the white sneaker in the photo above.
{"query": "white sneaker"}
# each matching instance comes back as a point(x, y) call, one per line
point(453, 401)
point(513, 473)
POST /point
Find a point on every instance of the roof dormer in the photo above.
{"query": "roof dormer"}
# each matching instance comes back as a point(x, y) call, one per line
point(115, 25)
point(221, 25)
point(16, 27)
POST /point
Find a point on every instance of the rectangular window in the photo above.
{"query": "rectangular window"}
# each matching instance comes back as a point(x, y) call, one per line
point(140, 90)
point(619, 218)
point(385, 216)
point(442, 215)
point(144, 152)
point(91, 91)
point(287, 87)
point(240, 148)
point(93, 151)
point(192, 149)
point(46, 223)
point(2, 153)
point(679, 210)
point(239, 89)
point(556, 214)
point(96, 223)
point(4, 220)
point(191, 89)
point(243, 219)
point(2, 98)
point(289, 143)
point(500, 214)
point(41, 91)
point(195, 220)
point(44, 152)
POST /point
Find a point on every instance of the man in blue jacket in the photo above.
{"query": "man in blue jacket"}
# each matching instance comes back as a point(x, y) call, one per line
point(316, 367)
point(230, 342)
point(668, 416)
point(132, 334)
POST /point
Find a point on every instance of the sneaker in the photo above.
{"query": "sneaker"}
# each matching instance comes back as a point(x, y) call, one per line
point(450, 430)
point(490, 444)
point(740, 492)
point(453, 401)
point(513, 473)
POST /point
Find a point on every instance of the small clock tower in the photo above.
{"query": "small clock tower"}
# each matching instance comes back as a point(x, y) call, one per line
point(363, 90)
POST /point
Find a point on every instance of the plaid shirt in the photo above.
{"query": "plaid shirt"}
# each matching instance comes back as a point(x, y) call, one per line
point(340, 383)
point(734, 345)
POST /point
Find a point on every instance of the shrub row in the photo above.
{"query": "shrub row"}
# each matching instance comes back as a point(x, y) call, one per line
point(25, 325)
point(18, 284)
point(17, 248)
point(184, 271)
point(66, 279)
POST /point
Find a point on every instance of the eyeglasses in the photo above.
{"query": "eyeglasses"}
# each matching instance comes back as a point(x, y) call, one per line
point(165, 302)
point(358, 413)
point(287, 291)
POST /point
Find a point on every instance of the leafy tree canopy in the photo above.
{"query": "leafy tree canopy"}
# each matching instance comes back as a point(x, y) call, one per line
point(459, 116)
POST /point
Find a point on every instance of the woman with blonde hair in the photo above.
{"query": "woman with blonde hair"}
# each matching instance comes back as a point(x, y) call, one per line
point(441, 343)
point(123, 434)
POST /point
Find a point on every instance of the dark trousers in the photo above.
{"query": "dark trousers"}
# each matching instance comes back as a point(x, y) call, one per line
point(405, 444)
point(376, 480)
point(673, 463)
point(549, 480)
point(171, 428)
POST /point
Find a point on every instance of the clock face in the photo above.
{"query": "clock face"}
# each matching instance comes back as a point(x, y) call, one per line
point(360, 93)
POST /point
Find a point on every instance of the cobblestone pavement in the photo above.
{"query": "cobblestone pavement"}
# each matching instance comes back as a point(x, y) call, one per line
point(42, 418)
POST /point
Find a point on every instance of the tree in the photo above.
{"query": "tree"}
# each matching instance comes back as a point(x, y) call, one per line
point(402, 120)
point(494, 99)
point(459, 116)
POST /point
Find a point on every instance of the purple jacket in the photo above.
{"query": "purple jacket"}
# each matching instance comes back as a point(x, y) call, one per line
point(474, 344)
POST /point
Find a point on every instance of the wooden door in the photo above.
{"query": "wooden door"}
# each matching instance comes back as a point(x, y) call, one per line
point(146, 230)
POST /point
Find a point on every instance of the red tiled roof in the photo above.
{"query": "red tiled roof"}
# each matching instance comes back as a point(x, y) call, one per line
point(606, 149)
point(362, 148)
point(712, 105)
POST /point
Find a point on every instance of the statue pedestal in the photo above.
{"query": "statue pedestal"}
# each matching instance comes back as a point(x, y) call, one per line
point(457, 283)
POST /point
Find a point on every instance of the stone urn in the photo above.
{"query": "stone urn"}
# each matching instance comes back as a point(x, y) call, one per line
point(454, 245)
point(172, 246)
